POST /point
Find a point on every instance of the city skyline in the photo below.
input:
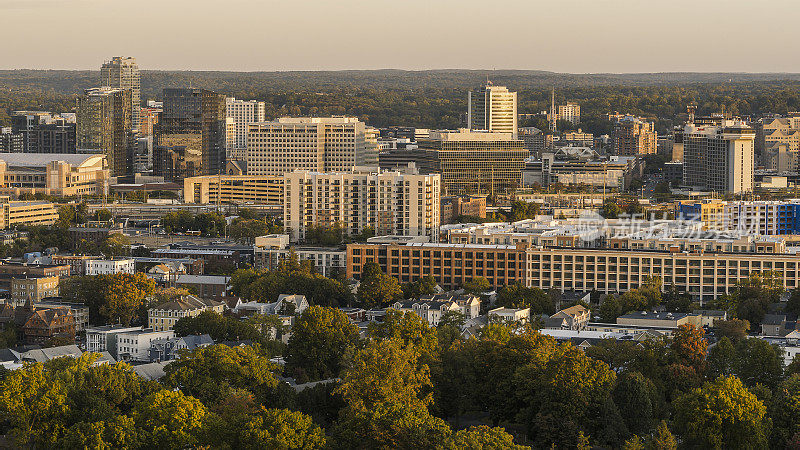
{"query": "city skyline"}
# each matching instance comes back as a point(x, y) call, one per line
point(634, 37)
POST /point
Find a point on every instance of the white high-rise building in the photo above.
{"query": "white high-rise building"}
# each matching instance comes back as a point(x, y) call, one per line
point(719, 157)
point(123, 73)
point(493, 108)
point(401, 203)
point(570, 112)
point(241, 114)
point(319, 144)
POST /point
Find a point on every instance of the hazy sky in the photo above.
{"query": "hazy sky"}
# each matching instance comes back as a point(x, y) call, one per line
point(577, 36)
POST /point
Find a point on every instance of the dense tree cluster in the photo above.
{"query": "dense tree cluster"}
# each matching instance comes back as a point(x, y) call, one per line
point(208, 224)
point(117, 298)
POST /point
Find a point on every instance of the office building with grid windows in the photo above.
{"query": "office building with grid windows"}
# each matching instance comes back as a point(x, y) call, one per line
point(719, 157)
point(319, 144)
point(493, 108)
point(473, 162)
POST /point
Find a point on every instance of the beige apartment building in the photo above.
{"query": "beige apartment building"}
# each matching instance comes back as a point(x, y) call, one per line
point(254, 189)
point(318, 144)
point(34, 289)
point(392, 202)
point(494, 109)
point(53, 174)
point(634, 136)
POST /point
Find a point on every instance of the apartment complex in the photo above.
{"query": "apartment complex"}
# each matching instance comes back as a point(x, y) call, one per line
point(494, 109)
point(703, 264)
point(719, 157)
point(571, 112)
point(45, 132)
point(326, 260)
point(241, 114)
point(451, 265)
point(109, 266)
point(318, 144)
point(190, 135)
point(10, 142)
point(123, 73)
point(254, 189)
point(33, 288)
point(104, 126)
point(53, 174)
point(778, 142)
point(397, 203)
point(476, 162)
point(755, 217)
point(634, 136)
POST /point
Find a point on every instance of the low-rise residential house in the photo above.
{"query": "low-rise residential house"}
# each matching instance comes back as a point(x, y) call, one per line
point(510, 315)
point(151, 371)
point(79, 311)
point(44, 324)
point(354, 314)
point(470, 304)
point(431, 311)
point(104, 338)
point(135, 345)
point(43, 355)
point(709, 316)
point(775, 325)
point(110, 266)
point(660, 319)
point(164, 316)
point(205, 286)
point(286, 305)
point(167, 272)
point(572, 318)
point(167, 349)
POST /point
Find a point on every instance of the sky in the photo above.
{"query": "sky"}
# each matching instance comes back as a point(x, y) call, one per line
point(574, 36)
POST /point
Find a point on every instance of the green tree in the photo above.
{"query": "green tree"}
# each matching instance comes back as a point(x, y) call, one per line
point(123, 295)
point(386, 390)
point(610, 209)
point(281, 428)
point(519, 296)
point(377, 288)
point(416, 289)
point(793, 304)
point(785, 412)
point(169, 419)
point(485, 438)
point(722, 414)
point(410, 329)
point(211, 373)
point(610, 309)
point(636, 398)
point(477, 285)
point(734, 329)
point(759, 362)
point(722, 359)
point(320, 338)
point(116, 245)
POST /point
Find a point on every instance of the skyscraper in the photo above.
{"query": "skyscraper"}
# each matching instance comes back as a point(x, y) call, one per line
point(104, 126)
point(493, 108)
point(242, 113)
point(123, 73)
point(719, 156)
point(320, 144)
point(190, 134)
